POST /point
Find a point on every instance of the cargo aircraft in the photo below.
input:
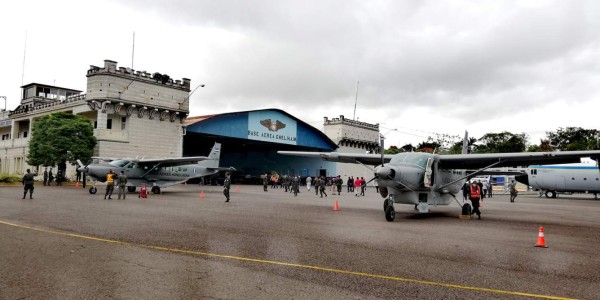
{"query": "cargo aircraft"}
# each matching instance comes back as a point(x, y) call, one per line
point(550, 180)
point(425, 179)
point(157, 173)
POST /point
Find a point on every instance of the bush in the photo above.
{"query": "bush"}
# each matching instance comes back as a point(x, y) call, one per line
point(7, 178)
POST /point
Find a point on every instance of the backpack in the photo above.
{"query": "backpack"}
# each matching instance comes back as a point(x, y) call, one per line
point(466, 209)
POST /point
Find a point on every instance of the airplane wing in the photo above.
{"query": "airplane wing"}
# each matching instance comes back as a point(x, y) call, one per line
point(497, 160)
point(463, 161)
point(363, 158)
point(170, 162)
point(105, 159)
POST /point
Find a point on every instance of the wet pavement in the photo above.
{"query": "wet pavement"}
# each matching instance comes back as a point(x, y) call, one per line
point(67, 243)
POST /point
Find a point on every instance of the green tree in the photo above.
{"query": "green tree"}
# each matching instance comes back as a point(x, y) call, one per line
point(392, 150)
point(407, 148)
point(503, 142)
point(61, 137)
point(574, 138)
point(428, 146)
point(544, 146)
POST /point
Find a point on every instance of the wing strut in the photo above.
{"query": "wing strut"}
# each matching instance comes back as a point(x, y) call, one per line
point(150, 170)
point(368, 167)
point(470, 175)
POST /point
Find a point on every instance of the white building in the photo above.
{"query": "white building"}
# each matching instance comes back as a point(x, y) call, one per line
point(352, 137)
point(134, 114)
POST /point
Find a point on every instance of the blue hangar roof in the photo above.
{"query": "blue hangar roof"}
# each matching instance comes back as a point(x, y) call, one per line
point(267, 125)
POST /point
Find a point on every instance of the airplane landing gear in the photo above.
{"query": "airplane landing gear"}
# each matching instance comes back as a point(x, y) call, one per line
point(390, 213)
point(388, 207)
point(93, 190)
point(155, 190)
point(550, 194)
point(387, 202)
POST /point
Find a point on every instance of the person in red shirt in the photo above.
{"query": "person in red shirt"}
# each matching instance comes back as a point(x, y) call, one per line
point(475, 196)
point(357, 183)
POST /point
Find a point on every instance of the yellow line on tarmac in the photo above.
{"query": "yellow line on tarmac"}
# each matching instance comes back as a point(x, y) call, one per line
point(324, 269)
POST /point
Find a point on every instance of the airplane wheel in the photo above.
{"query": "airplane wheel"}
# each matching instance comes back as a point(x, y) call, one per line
point(550, 194)
point(93, 190)
point(385, 205)
point(155, 190)
point(131, 189)
point(390, 214)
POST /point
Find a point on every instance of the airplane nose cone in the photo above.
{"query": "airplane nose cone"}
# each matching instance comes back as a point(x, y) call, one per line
point(385, 173)
point(82, 169)
point(524, 179)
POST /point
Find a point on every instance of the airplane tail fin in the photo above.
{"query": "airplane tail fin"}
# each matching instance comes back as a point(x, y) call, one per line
point(465, 147)
point(213, 157)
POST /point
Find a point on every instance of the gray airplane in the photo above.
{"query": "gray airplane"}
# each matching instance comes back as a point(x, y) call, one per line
point(570, 178)
point(425, 179)
point(157, 173)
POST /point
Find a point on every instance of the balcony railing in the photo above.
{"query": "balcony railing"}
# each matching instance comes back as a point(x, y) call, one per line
point(111, 135)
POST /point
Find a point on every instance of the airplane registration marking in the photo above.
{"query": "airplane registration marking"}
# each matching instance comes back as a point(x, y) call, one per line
point(325, 269)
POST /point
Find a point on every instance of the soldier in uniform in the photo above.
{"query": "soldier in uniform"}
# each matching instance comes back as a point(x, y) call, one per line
point(513, 190)
point(296, 185)
point(322, 186)
point(28, 184)
point(46, 176)
point(338, 183)
point(122, 183)
point(227, 186)
point(110, 184)
point(266, 182)
point(50, 177)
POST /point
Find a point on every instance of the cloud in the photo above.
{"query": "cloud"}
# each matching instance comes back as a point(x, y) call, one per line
point(439, 66)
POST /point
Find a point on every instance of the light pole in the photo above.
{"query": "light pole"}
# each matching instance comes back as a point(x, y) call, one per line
point(190, 95)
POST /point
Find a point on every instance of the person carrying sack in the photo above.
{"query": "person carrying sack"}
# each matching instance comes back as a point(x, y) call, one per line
point(475, 196)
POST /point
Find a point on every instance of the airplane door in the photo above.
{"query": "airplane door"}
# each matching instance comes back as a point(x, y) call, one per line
point(428, 178)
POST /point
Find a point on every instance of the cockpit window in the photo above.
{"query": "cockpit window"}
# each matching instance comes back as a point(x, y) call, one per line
point(119, 163)
point(413, 158)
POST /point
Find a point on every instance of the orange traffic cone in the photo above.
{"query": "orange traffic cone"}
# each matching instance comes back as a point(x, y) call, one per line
point(237, 188)
point(541, 242)
point(336, 207)
point(77, 184)
point(202, 195)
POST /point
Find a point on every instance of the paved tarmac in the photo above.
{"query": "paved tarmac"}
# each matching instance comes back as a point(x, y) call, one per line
point(68, 244)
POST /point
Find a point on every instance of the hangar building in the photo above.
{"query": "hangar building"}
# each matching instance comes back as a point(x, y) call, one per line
point(250, 141)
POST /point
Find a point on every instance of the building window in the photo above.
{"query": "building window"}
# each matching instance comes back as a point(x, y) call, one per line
point(95, 124)
point(109, 124)
point(123, 122)
point(25, 134)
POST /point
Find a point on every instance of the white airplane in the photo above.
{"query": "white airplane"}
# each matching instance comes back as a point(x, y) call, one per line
point(159, 172)
point(424, 179)
point(581, 177)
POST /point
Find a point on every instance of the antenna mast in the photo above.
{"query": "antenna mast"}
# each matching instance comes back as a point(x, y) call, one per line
point(133, 49)
point(24, 51)
point(354, 115)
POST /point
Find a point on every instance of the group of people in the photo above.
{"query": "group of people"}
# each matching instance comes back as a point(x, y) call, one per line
point(29, 179)
point(49, 177)
point(292, 184)
point(121, 181)
point(477, 190)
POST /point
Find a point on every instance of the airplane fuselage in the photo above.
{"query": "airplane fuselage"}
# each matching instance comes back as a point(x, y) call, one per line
point(552, 179)
point(161, 176)
point(414, 178)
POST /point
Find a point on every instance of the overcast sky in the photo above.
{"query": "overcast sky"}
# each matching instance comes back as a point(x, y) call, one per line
point(423, 66)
